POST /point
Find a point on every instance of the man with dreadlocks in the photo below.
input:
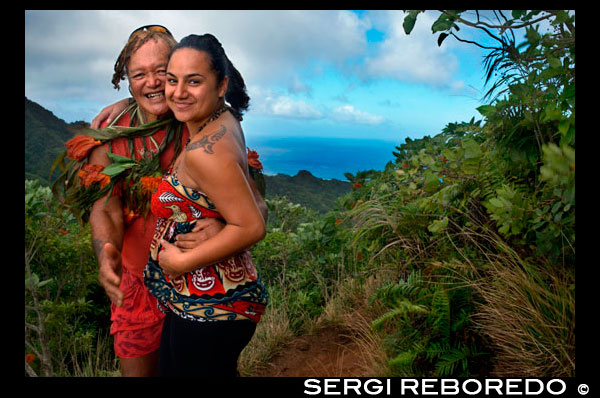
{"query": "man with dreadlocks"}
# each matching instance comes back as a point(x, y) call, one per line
point(110, 180)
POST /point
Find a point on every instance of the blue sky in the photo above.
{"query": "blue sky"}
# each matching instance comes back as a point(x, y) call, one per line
point(310, 73)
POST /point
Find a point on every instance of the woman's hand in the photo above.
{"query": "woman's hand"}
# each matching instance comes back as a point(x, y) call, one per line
point(171, 260)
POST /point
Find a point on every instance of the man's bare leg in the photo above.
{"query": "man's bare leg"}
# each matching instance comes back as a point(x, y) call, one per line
point(144, 366)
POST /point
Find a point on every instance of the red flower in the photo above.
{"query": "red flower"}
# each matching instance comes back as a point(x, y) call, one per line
point(29, 358)
point(80, 146)
point(253, 160)
point(91, 173)
point(356, 185)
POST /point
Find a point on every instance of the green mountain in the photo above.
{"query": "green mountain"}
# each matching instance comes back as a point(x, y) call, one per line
point(45, 135)
point(307, 190)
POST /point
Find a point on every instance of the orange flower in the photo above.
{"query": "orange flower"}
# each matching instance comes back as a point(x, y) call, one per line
point(356, 185)
point(338, 221)
point(80, 146)
point(29, 358)
point(91, 173)
point(62, 231)
point(253, 160)
point(149, 184)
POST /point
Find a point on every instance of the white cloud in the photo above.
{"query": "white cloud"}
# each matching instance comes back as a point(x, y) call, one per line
point(74, 52)
point(266, 102)
point(349, 114)
point(415, 57)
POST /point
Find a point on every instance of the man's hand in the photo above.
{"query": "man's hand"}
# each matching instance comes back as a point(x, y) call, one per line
point(204, 229)
point(109, 274)
point(109, 113)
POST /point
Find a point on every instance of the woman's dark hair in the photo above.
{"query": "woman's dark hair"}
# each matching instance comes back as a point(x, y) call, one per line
point(236, 95)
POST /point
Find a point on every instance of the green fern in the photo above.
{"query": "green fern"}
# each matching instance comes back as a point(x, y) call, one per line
point(403, 308)
point(453, 360)
point(404, 360)
point(440, 308)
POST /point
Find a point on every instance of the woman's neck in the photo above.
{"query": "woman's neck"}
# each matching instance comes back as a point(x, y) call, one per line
point(195, 127)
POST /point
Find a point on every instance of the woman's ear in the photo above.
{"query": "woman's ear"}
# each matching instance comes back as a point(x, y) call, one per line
point(223, 86)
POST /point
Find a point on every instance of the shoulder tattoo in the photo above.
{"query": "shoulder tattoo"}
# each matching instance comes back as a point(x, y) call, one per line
point(208, 141)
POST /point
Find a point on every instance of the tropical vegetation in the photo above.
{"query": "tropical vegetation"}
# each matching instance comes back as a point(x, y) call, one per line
point(457, 259)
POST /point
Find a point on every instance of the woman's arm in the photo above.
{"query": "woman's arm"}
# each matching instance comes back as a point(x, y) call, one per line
point(206, 228)
point(225, 183)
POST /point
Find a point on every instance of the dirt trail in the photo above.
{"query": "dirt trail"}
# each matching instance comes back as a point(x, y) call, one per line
point(330, 352)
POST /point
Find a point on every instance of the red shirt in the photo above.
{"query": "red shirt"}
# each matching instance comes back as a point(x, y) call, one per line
point(138, 234)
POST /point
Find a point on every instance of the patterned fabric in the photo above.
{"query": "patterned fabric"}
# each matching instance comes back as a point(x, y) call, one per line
point(138, 342)
point(228, 290)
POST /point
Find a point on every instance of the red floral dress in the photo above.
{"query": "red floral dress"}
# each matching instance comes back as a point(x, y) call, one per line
point(227, 290)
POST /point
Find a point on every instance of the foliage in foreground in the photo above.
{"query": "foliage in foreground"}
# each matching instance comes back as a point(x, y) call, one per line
point(476, 225)
point(66, 312)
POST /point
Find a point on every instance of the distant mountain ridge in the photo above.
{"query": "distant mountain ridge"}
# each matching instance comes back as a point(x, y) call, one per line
point(307, 190)
point(45, 135)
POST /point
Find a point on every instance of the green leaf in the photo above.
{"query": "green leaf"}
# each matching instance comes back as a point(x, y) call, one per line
point(486, 110)
point(554, 62)
point(438, 225)
point(496, 202)
point(533, 37)
point(119, 165)
point(119, 159)
point(563, 126)
point(441, 38)
point(516, 14)
point(472, 149)
point(444, 22)
point(409, 21)
point(117, 168)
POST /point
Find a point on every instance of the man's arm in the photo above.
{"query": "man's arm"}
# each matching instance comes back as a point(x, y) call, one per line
point(260, 201)
point(109, 113)
point(106, 221)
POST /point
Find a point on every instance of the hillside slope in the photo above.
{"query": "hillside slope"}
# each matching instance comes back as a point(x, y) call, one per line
point(307, 190)
point(45, 135)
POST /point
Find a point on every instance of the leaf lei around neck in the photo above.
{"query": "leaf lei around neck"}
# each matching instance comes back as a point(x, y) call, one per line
point(80, 184)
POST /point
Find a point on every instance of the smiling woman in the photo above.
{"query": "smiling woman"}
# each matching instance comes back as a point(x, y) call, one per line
point(213, 292)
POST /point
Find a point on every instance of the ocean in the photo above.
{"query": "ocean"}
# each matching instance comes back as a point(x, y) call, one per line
point(326, 158)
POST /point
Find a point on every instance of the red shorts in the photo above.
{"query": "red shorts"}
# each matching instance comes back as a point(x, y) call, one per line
point(137, 324)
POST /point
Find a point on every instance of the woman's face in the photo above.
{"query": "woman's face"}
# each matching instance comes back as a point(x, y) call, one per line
point(146, 71)
point(192, 91)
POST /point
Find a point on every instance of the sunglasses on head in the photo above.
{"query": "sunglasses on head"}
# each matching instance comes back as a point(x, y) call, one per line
point(155, 28)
